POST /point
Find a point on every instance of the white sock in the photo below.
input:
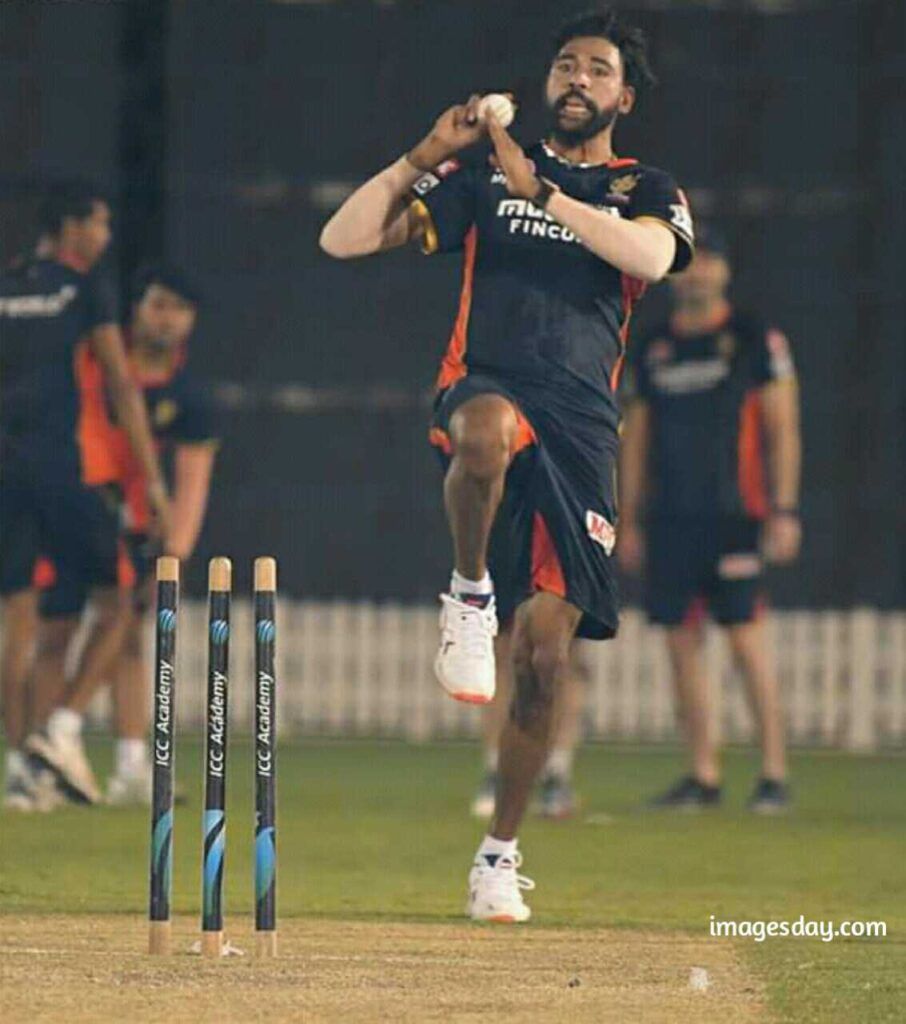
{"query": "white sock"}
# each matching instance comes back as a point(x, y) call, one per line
point(490, 759)
point(494, 848)
point(560, 762)
point(15, 763)
point(461, 585)
point(64, 723)
point(131, 757)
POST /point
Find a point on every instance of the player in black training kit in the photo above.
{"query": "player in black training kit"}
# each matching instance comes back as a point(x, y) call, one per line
point(53, 308)
point(559, 241)
point(713, 387)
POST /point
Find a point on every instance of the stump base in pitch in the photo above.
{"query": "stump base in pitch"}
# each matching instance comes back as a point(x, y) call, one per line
point(212, 943)
point(265, 944)
point(159, 938)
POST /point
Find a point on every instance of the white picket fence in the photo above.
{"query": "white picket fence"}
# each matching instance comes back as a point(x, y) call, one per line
point(365, 670)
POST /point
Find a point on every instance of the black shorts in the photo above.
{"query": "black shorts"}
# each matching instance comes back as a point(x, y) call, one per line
point(66, 595)
point(690, 562)
point(554, 530)
point(76, 527)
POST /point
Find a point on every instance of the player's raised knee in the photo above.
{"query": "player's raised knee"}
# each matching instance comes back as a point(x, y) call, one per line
point(482, 432)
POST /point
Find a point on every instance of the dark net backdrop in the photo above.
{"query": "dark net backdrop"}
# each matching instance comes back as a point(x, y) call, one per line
point(228, 133)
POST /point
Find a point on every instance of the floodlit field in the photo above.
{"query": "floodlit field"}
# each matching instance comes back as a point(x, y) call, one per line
point(374, 845)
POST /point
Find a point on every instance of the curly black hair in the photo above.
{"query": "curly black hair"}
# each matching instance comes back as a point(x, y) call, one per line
point(628, 39)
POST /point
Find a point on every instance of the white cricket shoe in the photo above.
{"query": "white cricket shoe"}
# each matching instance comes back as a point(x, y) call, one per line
point(464, 665)
point(30, 788)
point(18, 795)
point(130, 790)
point(66, 758)
point(495, 890)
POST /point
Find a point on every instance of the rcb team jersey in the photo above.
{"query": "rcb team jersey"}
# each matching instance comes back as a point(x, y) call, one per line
point(542, 323)
point(53, 426)
point(703, 392)
point(536, 305)
point(48, 407)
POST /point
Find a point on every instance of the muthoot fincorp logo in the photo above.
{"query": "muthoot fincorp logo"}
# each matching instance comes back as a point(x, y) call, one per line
point(527, 219)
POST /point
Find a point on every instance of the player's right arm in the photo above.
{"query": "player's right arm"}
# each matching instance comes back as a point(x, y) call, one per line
point(192, 468)
point(378, 215)
point(107, 343)
point(632, 477)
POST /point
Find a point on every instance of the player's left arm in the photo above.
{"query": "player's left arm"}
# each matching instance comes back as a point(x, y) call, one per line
point(193, 465)
point(780, 420)
point(646, 249)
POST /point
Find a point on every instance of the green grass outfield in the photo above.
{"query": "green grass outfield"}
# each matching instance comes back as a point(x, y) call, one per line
point(379, 831)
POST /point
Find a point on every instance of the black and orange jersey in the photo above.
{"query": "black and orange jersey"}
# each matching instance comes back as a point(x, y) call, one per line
point(180, 412)
point(536, 305)
point(94, 426)
point(46, 310)
point(703, 392)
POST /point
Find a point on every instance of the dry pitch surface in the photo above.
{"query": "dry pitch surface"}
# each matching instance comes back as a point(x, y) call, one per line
point(92, 968)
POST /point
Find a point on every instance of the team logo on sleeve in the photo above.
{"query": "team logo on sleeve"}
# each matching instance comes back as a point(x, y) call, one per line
point(681, 219)
point(600, 531)
point(623, 185)
point(431, 179)
point(425, 183)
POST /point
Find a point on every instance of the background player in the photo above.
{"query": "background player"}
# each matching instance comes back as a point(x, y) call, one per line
point(49, 304)
point(709, 383)
point(556, 251)
point(163, 316)
point(556, 797)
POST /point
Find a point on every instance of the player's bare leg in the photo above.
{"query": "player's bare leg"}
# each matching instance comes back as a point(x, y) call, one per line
point(702, 787)
point(130, 688)
point(131, 781)
point(685, 646)
point(544, 629)
point(55, 637)
point(482, 431)
point(556, 797)
point(493, 719)
point(59, 745)
point(20, 623)
point(748, 642)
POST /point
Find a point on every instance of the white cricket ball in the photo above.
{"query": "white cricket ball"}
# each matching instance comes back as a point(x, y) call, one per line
point(503, 108)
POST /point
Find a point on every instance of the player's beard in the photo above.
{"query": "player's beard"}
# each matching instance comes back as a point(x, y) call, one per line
point(599, 119)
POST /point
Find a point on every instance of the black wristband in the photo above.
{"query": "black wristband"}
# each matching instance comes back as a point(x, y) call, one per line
point(785, 510)
point(543, 196)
